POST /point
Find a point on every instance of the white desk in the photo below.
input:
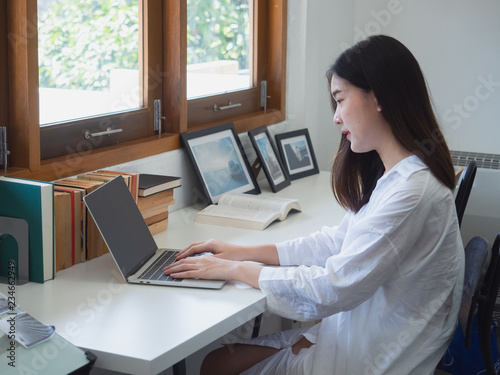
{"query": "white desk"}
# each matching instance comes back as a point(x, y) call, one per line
point(126, 325)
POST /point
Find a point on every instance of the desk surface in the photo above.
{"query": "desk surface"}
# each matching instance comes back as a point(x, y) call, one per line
point(146, 329)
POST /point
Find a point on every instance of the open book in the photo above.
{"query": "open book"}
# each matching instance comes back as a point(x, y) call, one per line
point(247, 211)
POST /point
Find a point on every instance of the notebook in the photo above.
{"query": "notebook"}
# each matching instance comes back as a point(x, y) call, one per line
point(129, 240)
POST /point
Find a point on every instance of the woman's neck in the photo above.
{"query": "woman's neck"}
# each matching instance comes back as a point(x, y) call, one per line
point(392, 153)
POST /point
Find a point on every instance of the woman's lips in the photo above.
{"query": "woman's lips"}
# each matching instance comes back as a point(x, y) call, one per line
point(347, 133)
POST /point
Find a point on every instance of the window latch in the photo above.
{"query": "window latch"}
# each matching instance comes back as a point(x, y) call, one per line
point(228, 106)
point(88, 134)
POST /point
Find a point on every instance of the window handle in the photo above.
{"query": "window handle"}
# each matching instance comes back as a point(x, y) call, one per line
point(4, 152)
point(108, 131)
point(228, 106)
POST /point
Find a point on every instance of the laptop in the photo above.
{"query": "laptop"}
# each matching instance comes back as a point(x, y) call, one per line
point(129, 240)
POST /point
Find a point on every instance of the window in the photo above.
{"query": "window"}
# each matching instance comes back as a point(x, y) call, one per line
point(247, 37)
point(88, 58)
point(92, 59)
point(48, 148)
point(219, 46)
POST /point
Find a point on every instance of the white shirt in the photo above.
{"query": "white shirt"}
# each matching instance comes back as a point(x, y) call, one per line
point(387, 281)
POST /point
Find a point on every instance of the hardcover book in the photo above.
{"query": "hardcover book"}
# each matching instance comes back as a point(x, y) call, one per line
point(153, 183)
point(32, 201)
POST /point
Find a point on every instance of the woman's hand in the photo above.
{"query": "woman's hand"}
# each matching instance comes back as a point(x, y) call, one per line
point(215, 268)
point(203, 267)
point(219, 249)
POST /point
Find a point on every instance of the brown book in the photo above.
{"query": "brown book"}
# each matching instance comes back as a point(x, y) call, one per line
point(153, 211)
point(106, 177)
point(95, 243)
point(163, 197)
point(78, 223)
point(158, 227)
point(95, 177)
point(134, 181)
point(62, 230)
point(156, 218)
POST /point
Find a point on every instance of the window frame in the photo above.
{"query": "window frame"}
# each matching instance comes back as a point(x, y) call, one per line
point(68, 137)
point(24, 133)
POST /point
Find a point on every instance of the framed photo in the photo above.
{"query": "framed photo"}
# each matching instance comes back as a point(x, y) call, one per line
point(220, 161)
point(269, 159)
point(297, 153)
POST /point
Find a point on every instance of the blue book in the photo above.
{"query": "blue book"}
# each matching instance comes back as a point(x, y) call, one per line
point(32, 201)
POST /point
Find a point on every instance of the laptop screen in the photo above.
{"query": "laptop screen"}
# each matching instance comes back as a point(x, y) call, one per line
point(121, 224)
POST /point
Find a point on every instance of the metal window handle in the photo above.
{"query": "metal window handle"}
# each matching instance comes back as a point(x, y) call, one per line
point(4, 152)
point(108, 131)
point(228, 106)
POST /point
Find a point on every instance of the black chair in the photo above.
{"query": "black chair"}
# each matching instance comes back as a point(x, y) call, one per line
point(486, 302)
point(464, 189)
point(477, 259)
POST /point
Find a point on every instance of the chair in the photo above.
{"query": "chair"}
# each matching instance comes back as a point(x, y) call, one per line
point(477, 259)
point(487, 300)
point(464, 190)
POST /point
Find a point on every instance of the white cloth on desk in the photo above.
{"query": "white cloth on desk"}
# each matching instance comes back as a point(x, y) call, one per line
point(387, 281)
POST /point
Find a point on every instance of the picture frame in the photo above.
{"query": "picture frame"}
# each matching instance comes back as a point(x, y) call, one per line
point(296, 151)
point(219, 161)
point(269, 158)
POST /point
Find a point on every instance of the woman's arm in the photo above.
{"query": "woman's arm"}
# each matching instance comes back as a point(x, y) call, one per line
point(267, 254)
point(226, 263)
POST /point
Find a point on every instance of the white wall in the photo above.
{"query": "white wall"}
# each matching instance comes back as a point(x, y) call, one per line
point(316, 31)
point(457, 43)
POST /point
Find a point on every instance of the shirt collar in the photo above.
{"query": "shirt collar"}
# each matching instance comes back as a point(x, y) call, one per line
point(407, 166)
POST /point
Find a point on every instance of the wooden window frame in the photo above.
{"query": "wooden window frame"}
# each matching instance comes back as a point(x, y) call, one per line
point(68, 137)
point(19, 107)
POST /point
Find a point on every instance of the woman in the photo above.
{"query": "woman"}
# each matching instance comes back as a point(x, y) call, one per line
point(386, 282)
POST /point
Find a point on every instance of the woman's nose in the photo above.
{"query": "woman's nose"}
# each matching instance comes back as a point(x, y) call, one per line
point(337, 120)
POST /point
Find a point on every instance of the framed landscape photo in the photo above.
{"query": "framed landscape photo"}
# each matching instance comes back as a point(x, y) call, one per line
point(269, 159)
point(297, 153)
point(220, 161)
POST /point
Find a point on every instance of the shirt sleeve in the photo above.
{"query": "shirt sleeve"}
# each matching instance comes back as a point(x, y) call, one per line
point(316, 248)
point(370, 254)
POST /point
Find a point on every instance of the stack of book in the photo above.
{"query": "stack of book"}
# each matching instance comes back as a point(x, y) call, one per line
point(77, 237)
point(61, 231)
point(155, 196)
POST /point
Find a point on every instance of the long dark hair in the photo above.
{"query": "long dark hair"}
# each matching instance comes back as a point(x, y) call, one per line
point(385, 66)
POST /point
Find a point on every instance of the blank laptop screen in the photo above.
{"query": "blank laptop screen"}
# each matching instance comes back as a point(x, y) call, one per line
point(121, 224)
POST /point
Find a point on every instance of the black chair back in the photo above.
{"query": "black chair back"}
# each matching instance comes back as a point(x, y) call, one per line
point(477, 258)
point(487, 301)
point(464, 190)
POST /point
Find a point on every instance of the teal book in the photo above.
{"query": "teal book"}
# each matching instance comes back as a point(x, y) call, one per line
point(32, 201)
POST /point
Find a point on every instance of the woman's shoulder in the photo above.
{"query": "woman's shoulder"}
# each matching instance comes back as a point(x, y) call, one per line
point(412, 181)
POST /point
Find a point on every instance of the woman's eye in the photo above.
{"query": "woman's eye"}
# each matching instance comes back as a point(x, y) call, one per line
point(338, 101)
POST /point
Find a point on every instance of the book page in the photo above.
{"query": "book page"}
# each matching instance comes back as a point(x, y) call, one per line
point(260, 203)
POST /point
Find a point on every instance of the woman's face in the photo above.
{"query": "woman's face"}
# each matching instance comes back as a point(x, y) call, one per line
point(359, 115)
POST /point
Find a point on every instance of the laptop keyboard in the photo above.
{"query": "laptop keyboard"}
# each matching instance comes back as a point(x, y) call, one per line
point(155, 270)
